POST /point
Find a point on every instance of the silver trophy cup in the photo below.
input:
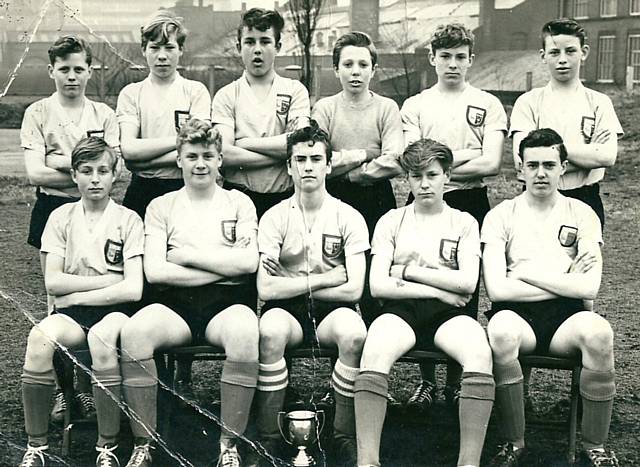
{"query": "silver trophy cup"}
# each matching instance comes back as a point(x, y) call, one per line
point(301, 429)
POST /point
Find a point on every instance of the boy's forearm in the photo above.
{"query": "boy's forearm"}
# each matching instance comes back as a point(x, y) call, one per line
point(571, 285)
point(455, 281)
point(591, 156)
point(165, 160)
point(237, 157)
point(145, 149)
point(121, 292)
point(281, 287)
point(398, 289)
point(273, 146)
point(64, 284)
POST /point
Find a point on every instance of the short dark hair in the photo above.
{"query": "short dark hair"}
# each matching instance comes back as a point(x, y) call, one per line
point(565, 26)
point(356, 39)
point(161, 26)
point(196, 131)
point(448, 36)
point(543, 138)
point(92, 148)
point(262, 19)
point(419, 154)
point(70, 44)
point(311, 134)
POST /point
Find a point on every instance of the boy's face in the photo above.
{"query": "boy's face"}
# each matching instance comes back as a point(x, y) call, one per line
point(94, 178)
point(542, 170)
point(427, 185)
point(71, 74)
point(563, 55)
point(355, 69)
point(200, 164)
point(452, 64)
point(163, 59)
point(308, 166)
point(258, 50)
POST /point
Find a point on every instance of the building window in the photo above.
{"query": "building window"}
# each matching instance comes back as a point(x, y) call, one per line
point(634, 7)
point(606, 46)
point(608, 7)
point(634, 56)
point(581, 9)
point(320, 39)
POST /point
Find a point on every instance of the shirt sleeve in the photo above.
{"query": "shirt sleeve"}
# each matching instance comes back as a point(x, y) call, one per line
point(469, 244)
point(134, 236)
point(127, 110)
point(54, 237)
point(384, 241)
point(155, 220)
point(496, 116)
point(200, 101)
point(111, 129)
point(321, 114)
point(392, 142)
point(608, 119)
point(589, 228)
point(494, 228)
point(247, 217)
point(270, 236)
point(31, 131)
point(522, 115)
point(222, 107)
point(300, 105)
point(356, 233)
point(410, 114)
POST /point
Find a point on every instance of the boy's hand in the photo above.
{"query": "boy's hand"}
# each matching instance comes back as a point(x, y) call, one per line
point(454, 299)
point(397, 270)
point(181, 256)
point(61, 163)
point(335, 277)
point(272, 266)
point(242, 242)
point(65, 301)
point(601, 137)
point(296, 123)
point(583, 262)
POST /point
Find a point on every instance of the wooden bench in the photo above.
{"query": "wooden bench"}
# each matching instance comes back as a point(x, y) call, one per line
point(415, 356)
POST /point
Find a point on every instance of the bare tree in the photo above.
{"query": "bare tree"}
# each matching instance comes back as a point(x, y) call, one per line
point(304, 14)
point(111, 67)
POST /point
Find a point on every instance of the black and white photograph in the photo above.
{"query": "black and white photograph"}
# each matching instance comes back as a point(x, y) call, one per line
point(350, 233)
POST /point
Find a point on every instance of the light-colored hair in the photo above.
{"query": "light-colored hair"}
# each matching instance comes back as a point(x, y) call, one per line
point(92, 148)
point(419, 154)
point(196, 131)
point(161, 26)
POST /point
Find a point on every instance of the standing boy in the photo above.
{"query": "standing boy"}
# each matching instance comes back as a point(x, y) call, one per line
point(584, 118)
point(311, 276)
point(151, 112)
point(254, 113)
point(472, 123)
point(50, 130)
point(200, 257)
point(93, 249)
point(541, 260)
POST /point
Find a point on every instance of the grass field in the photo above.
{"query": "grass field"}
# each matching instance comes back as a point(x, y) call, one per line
point(409, 439)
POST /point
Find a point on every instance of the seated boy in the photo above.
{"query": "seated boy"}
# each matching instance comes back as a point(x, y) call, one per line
point(93, 250)
point(200, 257)
point(311, 276)
point(541, 261)
point(425, 268)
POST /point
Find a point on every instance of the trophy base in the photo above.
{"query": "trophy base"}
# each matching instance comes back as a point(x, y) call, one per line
point(303, 459)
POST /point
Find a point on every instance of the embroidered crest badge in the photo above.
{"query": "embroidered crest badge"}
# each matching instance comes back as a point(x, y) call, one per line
point(449, 251)
point(475, 115)
point(229, 230)
point(283, 102)
point(567, 235)
point(180, 118)
point(587, 127)
point(96, 133)
point(332, 246)
point(113, 252)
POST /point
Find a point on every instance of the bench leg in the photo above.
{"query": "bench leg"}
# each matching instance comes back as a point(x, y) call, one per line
point(573, 414)
point(65, 379)
point(166, 408)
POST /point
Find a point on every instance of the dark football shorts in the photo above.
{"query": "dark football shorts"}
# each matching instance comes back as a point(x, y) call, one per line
point(43, 207)
point(544, 317)
point(198, 305)
point(88, 316)
point(142, 190)
point(307, 312)
point(424, 316)
point(262, 201)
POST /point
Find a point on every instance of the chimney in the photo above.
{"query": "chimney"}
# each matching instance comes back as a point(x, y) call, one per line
point(276, 6)
point(365, 17)
point(243, 8)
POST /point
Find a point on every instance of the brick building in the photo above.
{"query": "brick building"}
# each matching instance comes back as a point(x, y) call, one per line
point(613, 31)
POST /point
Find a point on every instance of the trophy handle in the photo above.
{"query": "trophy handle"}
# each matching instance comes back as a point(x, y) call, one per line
point(281, 416)
point(320, 417)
